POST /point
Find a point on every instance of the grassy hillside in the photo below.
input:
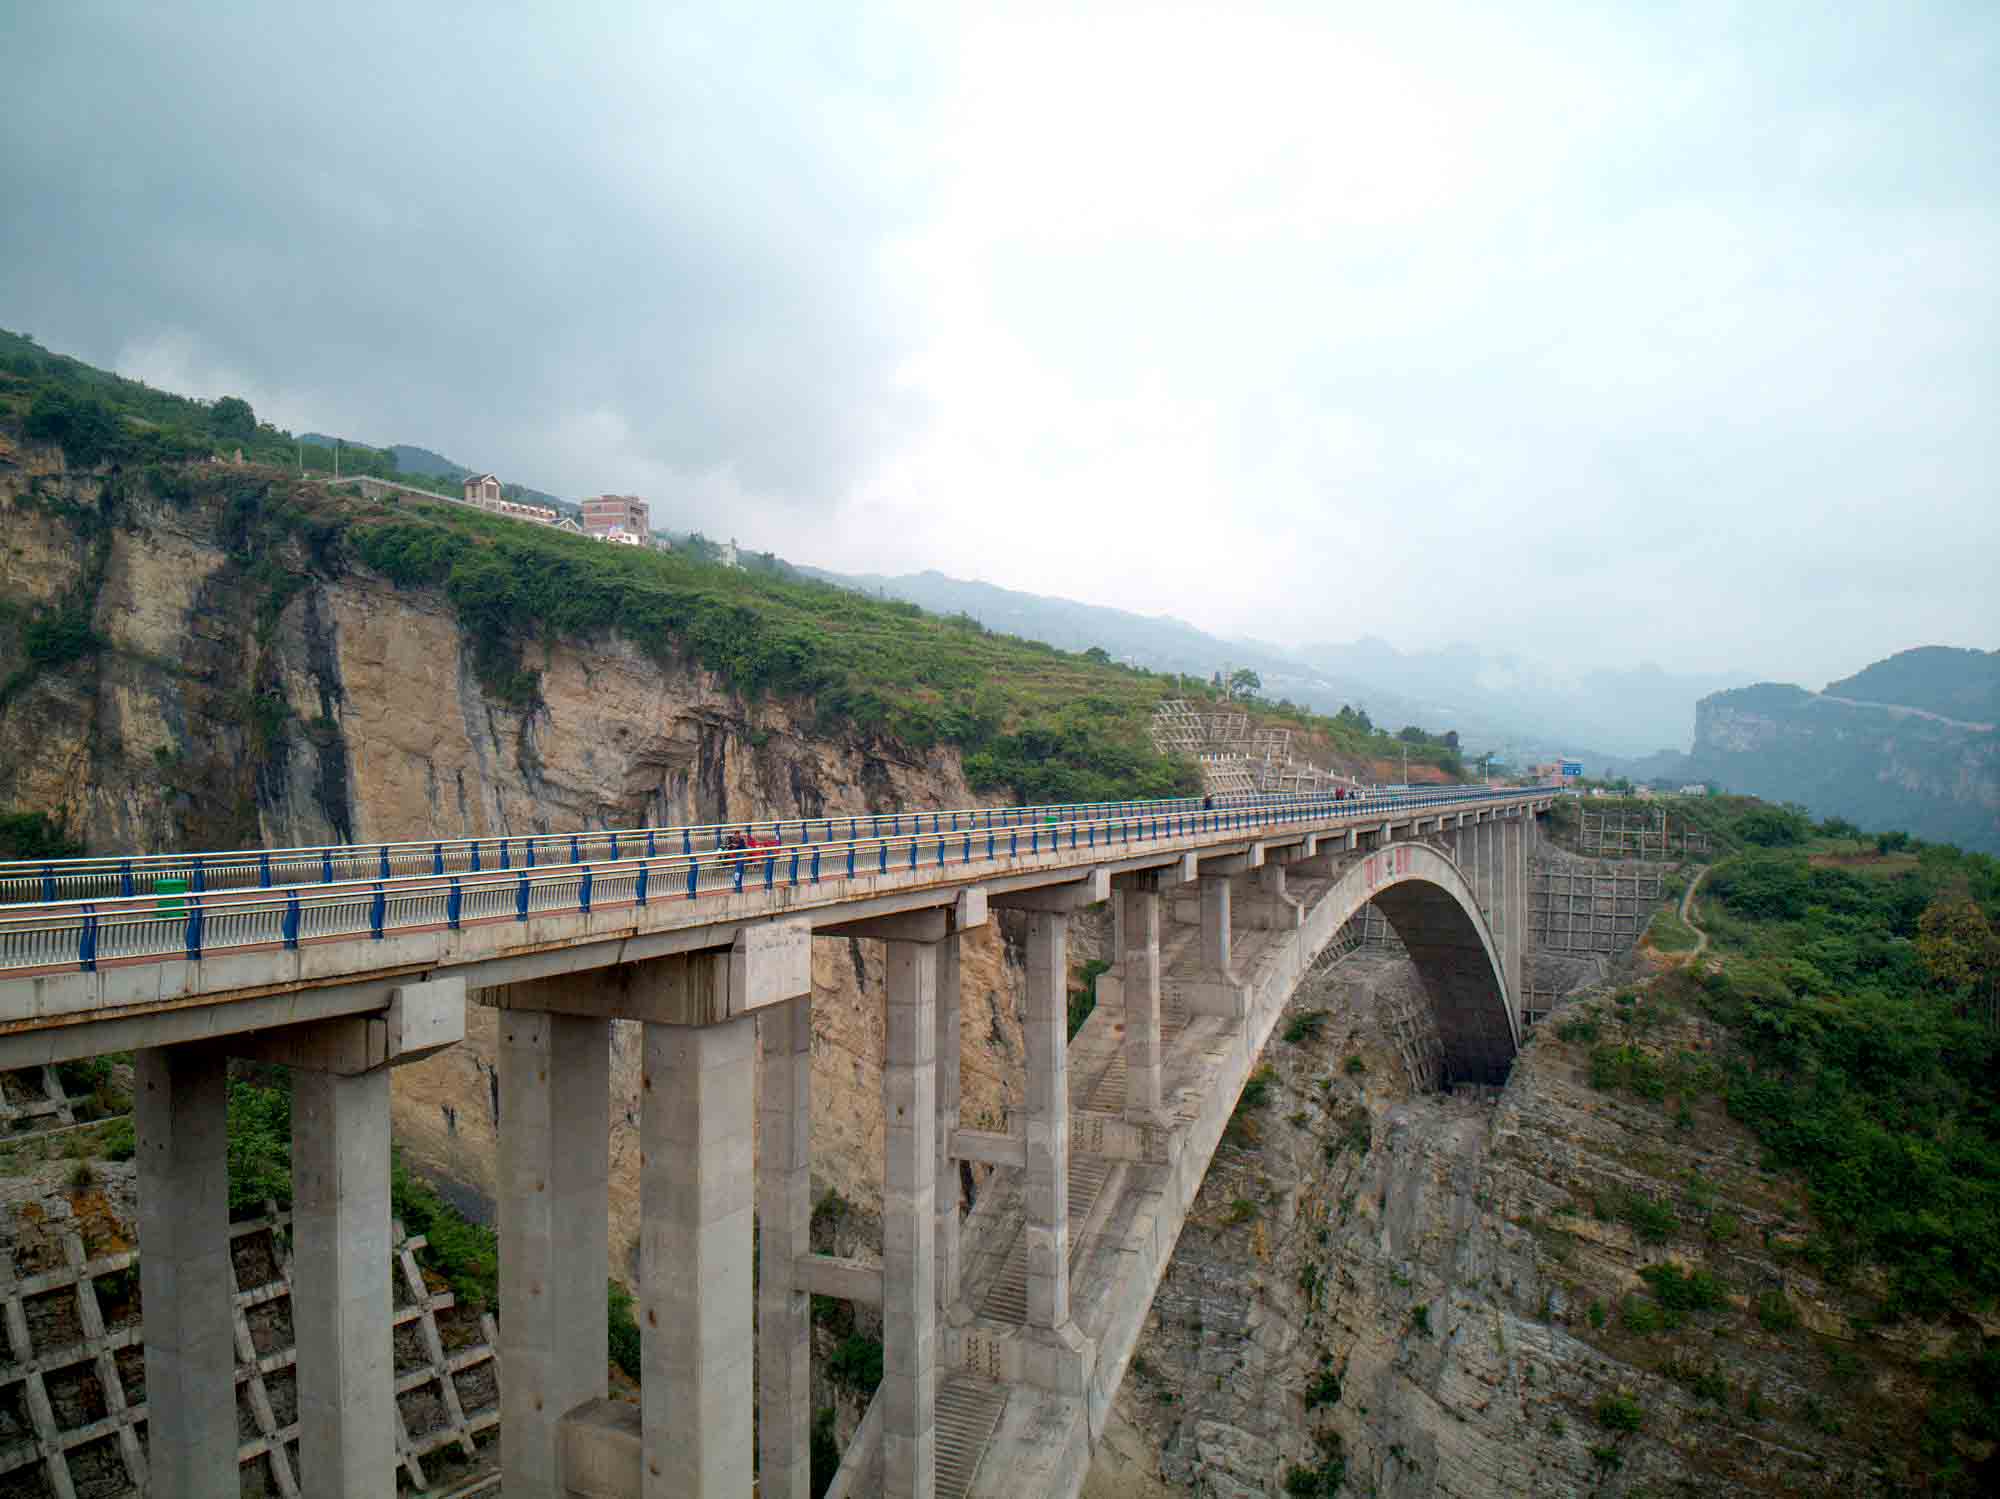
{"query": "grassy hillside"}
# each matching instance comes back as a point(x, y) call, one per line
point(1936, 678)
point(1853, 981)
point(97, 417)
point(1043, 723)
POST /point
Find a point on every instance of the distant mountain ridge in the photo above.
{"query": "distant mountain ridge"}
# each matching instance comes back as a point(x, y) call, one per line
point(1863, 750)
point(1496, 701)
point(1940, 679)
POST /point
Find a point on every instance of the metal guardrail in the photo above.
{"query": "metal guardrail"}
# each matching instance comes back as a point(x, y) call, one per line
point(126, 876)
point(631, 870)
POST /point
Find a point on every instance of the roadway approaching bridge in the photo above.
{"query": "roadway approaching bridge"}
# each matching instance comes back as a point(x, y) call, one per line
point(343, 962)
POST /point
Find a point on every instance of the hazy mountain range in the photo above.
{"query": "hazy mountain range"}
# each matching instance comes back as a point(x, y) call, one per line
point(1495, 700)
point(1907, 743)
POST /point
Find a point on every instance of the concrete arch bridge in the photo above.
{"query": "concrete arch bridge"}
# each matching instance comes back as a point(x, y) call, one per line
point(1005, 1332)
point(1030, 1357)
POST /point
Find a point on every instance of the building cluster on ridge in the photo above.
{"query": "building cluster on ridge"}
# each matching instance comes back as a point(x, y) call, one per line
point(621, 519)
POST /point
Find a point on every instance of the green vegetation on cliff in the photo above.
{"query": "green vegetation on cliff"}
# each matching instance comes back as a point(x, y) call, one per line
point(1042, 723)
point(1871, 1064)
point(1934, 678)
point(1029, 719)
point(1857, 994)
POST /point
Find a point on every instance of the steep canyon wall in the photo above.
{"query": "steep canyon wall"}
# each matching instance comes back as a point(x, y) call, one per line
point(239, 688)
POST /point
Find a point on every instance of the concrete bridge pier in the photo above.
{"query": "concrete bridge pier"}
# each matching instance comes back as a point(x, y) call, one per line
point(692, 1432)
point(918, 1279)
point(1268, 906)
point(1217, 989)
point(1516, 833)
point(1058, 1356)
point(696, 1212)
point(950, 1058)
point(1137, 898)
point(553, 1200)
point(340, 1232)
point(909, 1223)
point(185, 1275)
point(784, 1228)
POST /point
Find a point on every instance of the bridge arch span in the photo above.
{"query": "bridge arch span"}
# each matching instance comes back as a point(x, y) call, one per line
point(1426, 897)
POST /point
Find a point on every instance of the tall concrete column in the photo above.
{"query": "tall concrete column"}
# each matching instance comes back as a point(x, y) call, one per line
point(1216, 988)
point(340, 1269)
point(1111, 982)
point(1140, 923)
point(695, 1204)
point(1480, 866)
point(909, 1224)
point(555, 1162)
point(784, 1226)
point(1045, 1027)
point(1514, 861)
point(1215, 903)
point(185, 1275)
point(950, 1055)
point(1271, 907)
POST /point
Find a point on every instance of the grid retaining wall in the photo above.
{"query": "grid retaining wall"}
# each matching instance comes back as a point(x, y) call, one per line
point(73, 1381)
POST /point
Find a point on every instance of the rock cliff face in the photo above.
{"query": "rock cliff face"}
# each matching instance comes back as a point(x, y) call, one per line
point(1880, 765)
point(241, 693)
point(1549, 1288)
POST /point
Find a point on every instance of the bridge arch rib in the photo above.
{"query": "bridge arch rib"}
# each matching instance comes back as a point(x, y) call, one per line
point(1432, 906)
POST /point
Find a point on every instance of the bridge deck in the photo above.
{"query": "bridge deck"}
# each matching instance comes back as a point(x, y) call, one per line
point(121, 974)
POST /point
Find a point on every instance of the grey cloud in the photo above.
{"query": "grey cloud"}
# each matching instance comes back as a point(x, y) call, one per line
point(468, 227)
point(1652, 333)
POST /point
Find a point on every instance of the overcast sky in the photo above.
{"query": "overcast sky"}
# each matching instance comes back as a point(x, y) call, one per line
point(1599, 332)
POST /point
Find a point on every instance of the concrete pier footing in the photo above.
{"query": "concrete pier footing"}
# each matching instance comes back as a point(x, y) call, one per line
point(185, 1275)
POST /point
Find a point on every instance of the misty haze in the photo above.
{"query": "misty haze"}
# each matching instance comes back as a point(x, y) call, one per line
point(1080, 750)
